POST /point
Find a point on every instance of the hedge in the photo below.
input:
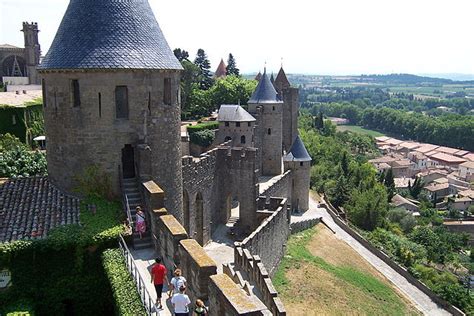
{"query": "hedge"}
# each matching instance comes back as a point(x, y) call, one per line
point(203, 126)
point(202, 138)
point(63, 273)
point(127, 300)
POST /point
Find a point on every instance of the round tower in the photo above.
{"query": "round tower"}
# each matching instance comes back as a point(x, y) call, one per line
point(111, 82)
point(269, 107)
point(299, 162)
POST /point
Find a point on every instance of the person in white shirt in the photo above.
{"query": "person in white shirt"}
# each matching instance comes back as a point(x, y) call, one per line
point(180, 302)
point(176, 282)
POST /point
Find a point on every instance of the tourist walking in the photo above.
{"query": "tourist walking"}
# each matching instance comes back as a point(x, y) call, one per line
point(180, 302)
point(140, 226)
point(158, 277)
point(176, 283)
point(200, 309)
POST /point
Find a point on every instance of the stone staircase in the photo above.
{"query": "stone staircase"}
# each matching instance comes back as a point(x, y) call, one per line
point(132, 191)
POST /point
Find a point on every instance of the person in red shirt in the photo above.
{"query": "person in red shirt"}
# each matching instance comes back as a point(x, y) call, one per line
point(158, 276)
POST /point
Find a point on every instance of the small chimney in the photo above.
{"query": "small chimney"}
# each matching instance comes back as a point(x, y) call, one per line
point(24, 91)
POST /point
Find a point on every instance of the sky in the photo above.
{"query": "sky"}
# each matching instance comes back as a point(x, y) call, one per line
point(332, 37)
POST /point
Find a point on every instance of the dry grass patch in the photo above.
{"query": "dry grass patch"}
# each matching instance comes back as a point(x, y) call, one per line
point(322, 275)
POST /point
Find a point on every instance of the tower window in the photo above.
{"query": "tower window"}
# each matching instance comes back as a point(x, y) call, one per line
point(13, 119)
point(226, 123)
point(167, 91)
point(76, 93)
point(43, 87)
point(242, 139)
point(237, 124)
point(269, 131)
point(301, 164)
point(100, 105)
point(273, 108)
point(249, 124)
point(121, 102)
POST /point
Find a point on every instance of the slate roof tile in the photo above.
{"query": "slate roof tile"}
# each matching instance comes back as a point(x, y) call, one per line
point(105, 34)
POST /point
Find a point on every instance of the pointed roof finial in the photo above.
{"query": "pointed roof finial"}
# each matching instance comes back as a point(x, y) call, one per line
point(281, 59)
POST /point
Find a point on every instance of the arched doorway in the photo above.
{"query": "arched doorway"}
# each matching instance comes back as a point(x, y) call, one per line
point(199, 207)
point(128, 162)
point(186, 212)
point(232, 210)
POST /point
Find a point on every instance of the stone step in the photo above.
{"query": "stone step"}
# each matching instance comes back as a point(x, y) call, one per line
point(142, 246)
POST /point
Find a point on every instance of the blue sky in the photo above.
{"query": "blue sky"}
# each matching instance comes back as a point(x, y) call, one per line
point(321, 37)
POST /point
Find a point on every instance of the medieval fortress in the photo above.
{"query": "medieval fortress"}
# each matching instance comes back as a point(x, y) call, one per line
point(111, 92)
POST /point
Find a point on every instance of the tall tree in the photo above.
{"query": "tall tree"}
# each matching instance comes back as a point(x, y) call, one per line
point(389, 183)
point(319, 121)
point(205, 73)
point(181, 54)
point(232, 66)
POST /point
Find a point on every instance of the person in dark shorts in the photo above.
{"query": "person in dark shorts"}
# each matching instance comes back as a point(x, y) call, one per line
point(158, 276)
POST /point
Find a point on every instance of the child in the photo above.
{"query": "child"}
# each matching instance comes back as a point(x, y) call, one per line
point(140, 226)
point(176, 282)
point(200, 309)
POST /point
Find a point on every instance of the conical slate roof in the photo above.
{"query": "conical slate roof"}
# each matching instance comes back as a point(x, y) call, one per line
point(281, 81)
point(265, 92)
point(221, 70)
point(258, 76)
point(298, 151)
point(109, 34)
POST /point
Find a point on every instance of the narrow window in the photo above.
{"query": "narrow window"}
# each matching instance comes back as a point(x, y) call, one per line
point(13, 119)
point(237, 124)
point(121, 102)
point(249, 124)
point(242, 139)
point(167, 91)
point(301, 164)
point(100, 105)
point(149, 102)
point(226, 123)
point(43, 88)
point(269, 131)
point(227, 138)
point(76, 94)
point(273, 108)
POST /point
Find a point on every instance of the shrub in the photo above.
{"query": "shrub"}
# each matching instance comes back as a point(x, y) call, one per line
point(202, 138)
point(94, 182)
point(203, 126)
point(127, 300)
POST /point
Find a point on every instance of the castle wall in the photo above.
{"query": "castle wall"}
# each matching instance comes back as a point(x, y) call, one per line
point(91, 134)
point(281, 188)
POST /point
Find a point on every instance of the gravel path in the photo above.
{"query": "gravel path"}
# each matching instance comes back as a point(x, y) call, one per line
point(419, 299)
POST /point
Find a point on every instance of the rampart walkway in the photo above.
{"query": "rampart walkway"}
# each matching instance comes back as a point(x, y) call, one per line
point(419, 299)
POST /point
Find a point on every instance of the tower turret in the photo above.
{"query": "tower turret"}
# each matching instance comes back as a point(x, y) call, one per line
point(299, 161)
point(265, 102)
point(290, 98)
point(111, 83)
point(32, 51)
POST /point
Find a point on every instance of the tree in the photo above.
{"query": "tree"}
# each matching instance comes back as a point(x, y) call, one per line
point(415, 188)
point(345, 164)
point(389, 183)
point(181, 54)
point(232, 66)
point(205, 80)
point(367, 208)
point(341, 192)
point(319, 121)
point(189, 81)
point(231, 90)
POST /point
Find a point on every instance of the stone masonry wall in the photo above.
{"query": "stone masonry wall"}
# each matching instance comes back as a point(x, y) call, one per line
point(281, 188)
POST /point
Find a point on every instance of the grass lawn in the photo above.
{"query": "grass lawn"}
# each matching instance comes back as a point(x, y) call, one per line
point(322, 275)
point(358, 129)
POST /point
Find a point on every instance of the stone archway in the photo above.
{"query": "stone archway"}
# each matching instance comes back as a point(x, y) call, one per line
point(199, 222)
point(186, 212)
point(14, 66)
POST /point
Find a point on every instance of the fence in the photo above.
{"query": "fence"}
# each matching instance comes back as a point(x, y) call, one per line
point(132, 268)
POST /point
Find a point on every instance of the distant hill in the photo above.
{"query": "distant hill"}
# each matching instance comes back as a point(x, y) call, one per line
point(405, 79)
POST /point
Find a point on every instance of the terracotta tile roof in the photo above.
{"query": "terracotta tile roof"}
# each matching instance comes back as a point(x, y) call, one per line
point(393, 141)
point(409, 145)
point(382, 138)
point(468, 164)
point(447, 150)
point(433, 187)
point(30, 207)
point(424, 148)
point(461, 153)
point(447, 158)
point(469, 156)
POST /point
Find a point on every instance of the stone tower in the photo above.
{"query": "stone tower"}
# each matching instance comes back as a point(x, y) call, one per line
point(267, 108)
point(111, 90)
point(32, 51)
point(290, 98)
point(299, 161)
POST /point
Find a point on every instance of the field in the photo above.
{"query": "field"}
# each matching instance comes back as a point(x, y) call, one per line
point(358, 129)
point(322, 275)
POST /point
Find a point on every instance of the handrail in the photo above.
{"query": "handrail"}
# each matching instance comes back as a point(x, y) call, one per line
point(132, 268)
point(129, 214)
point(125, 199)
